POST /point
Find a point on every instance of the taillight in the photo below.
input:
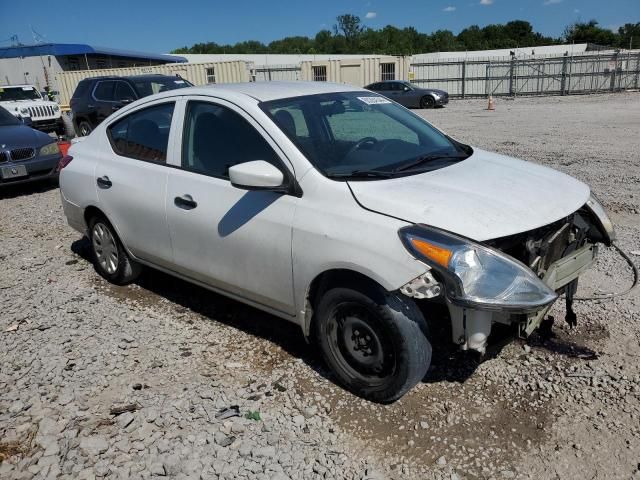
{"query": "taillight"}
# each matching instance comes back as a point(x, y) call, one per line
point(64, 161)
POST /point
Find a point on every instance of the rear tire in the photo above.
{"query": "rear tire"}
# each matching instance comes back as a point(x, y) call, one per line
point(84, 128)
point(110, 259)
point(374, 341)
point(427, 102)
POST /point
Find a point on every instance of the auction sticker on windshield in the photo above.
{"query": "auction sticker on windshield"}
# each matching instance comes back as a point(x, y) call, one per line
point(373, 100)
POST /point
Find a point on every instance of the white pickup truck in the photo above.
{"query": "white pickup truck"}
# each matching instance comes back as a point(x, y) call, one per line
point(25, 101)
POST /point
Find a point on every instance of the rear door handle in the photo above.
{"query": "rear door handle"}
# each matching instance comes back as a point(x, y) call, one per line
point(104, 182)
point(186, 202)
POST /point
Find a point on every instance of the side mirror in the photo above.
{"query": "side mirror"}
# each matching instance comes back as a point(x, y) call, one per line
point(256, 175)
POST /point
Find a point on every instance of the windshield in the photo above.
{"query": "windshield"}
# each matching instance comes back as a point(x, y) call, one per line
point(361, 134)
point(151, 86)
point(9, 94)
point(7, 119)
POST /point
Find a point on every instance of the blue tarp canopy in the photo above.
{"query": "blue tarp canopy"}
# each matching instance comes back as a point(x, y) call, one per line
point(59, 49)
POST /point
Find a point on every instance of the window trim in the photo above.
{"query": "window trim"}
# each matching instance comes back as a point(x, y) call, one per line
point(95, 87)
point(137, 110)
point(114, 81)
point(290, 185)
point(135, 95)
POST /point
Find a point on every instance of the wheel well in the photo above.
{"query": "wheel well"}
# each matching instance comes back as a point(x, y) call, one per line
point(91, 212)
point(331, 279)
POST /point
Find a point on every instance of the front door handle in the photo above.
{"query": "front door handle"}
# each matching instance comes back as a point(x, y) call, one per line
point(186, 202)
point(104, 182)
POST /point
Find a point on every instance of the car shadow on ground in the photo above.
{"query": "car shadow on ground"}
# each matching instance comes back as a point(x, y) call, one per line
point(449, 363)
point(23, 189)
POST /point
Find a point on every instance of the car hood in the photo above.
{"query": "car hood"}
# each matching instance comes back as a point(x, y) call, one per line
point(484, 197)
point(20, 136)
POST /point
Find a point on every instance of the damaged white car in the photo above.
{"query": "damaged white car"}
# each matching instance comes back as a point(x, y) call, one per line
point(334, 208)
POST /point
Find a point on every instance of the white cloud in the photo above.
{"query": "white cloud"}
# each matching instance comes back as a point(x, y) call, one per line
point(449, 9)
point(371, 15)
point(551, 2)
point(486, 2)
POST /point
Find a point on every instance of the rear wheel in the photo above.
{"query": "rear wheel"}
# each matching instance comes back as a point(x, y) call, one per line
point(427, 102)
point(110, 259)
point(375, 342)
point(84, 128)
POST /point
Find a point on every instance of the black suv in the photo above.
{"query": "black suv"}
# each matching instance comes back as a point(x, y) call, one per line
point(98, 97)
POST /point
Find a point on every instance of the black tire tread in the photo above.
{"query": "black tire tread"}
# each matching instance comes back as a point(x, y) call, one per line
point(409, 322)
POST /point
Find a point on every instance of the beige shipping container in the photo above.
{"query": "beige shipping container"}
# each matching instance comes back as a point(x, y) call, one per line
point(196, 73)
point(357, 72)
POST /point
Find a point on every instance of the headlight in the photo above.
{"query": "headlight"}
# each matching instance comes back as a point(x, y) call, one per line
point(24, 111)
point(606, 224)
point(50, 149)
point(475, 275)
point(56, 108)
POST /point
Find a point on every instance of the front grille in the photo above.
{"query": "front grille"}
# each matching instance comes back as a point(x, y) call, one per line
point(23, 153)
point(4, 157)
point(41, 111)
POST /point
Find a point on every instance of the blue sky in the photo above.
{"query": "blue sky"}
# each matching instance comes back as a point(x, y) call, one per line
point(161, 25)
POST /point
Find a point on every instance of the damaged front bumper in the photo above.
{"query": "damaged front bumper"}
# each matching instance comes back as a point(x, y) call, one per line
point(471, 327)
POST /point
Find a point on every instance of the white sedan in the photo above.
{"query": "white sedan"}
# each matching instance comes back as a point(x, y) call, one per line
point(334, 208)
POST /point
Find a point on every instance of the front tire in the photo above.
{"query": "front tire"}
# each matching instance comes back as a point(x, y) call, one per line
point(374, 341)
point(427, 102)
point(110, 259)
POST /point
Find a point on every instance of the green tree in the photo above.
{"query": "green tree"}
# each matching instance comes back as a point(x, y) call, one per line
point(590, 33)
point(629, 35)
point(351, 28)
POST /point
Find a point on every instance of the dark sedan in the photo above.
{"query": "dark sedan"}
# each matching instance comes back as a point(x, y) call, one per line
point(409, 95)
point(25, 154)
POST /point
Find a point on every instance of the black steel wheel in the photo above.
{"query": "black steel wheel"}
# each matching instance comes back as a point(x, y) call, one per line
point(427, 102)
point(375, 342)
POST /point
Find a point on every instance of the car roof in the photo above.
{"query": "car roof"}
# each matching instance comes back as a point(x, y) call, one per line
point(266, 91)
point(149, 76)
point(18, 86)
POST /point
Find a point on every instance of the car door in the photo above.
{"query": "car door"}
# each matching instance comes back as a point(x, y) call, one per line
point(235, 240)
point(102, 97)
point(131, 179)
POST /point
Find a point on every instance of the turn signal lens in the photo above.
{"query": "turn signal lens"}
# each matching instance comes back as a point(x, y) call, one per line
point(437, 254)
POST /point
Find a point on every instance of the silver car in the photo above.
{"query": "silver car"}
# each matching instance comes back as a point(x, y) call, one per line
point(336, 209)
point(410, 95)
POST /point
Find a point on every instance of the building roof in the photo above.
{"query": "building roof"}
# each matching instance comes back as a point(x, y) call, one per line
point(61, 49)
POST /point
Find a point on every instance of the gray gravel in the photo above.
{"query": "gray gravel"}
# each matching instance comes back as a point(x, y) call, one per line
point(209, 388)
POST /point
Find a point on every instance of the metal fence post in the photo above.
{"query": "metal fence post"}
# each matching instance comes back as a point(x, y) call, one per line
point(612, 84)
point(511, 72)
point(563, 81)
point(464, 75)
point(486, 80)
point(637, 72)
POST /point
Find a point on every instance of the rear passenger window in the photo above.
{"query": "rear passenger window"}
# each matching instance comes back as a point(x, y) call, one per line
point(104, 91)
point(143, 135)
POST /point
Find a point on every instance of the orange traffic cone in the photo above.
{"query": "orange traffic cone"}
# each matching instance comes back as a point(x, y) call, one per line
point(491, 105)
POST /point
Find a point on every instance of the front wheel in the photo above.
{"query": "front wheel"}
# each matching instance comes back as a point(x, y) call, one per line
point(110, 259)
point(374, 341)
point(427, 102)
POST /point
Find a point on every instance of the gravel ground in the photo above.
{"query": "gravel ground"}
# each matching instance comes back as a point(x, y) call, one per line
point(214, 389)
